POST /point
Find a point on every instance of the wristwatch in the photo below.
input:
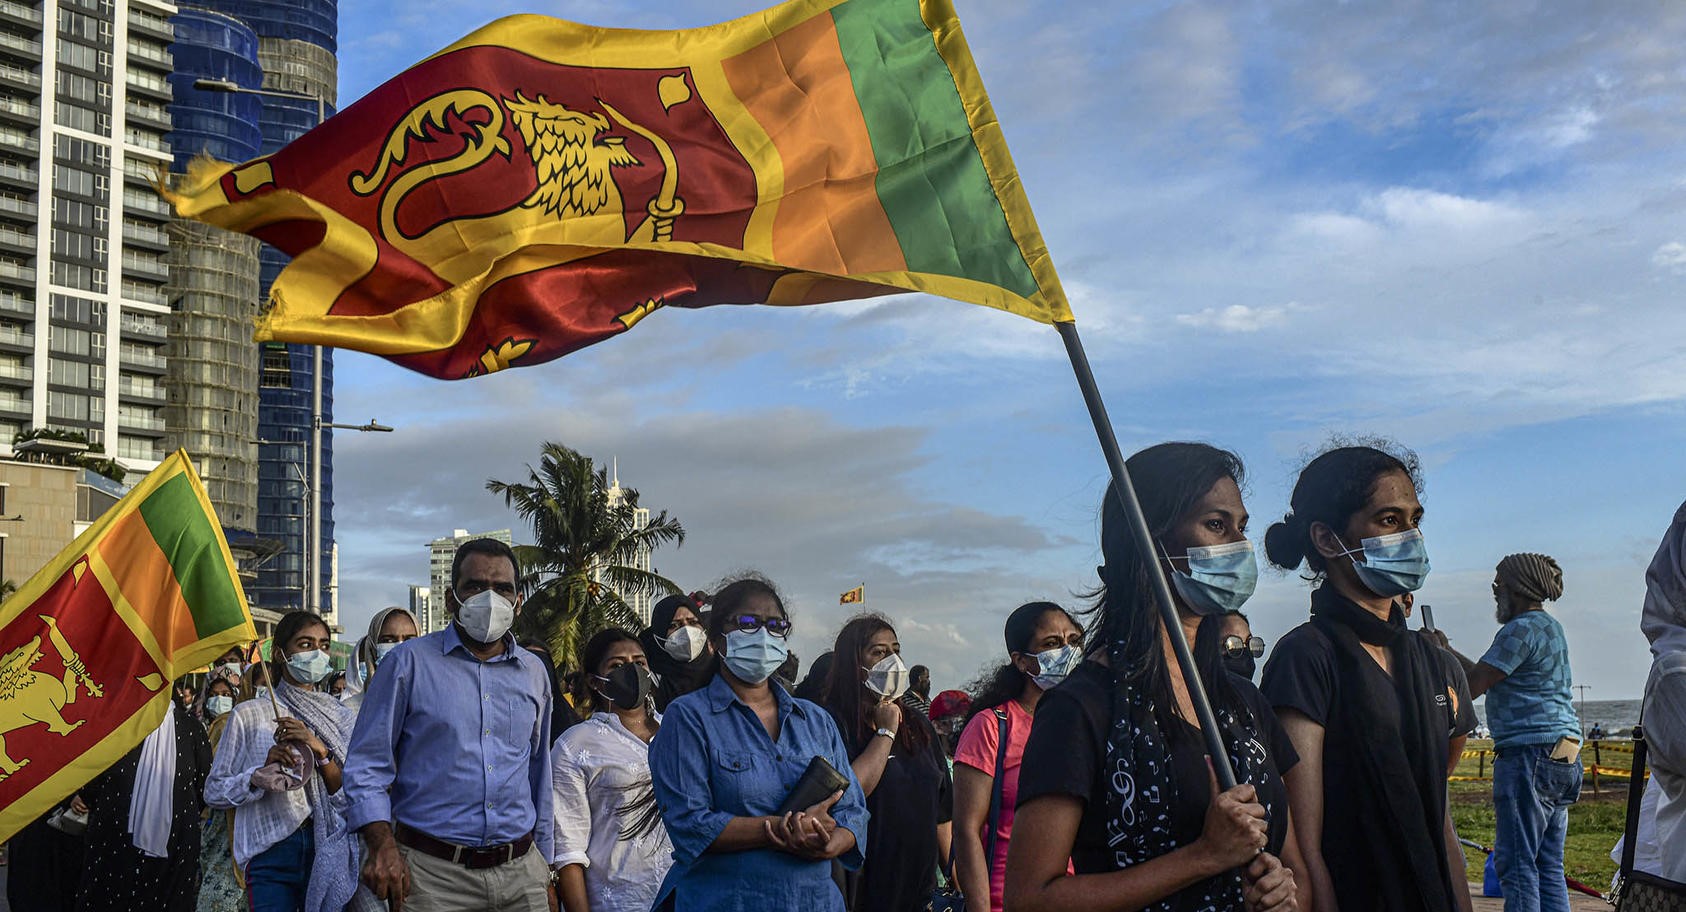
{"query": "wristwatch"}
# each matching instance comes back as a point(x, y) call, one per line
point(888, 733)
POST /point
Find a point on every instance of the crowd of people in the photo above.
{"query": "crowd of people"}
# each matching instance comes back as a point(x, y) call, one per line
point(686, 767)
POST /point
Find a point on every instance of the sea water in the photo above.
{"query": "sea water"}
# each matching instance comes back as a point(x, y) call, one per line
point(1615, 716)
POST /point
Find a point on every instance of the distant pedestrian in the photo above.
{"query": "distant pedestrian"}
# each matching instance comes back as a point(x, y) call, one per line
point(387, 629)
point(729, 755)
point(949, 712)
point(1664, 624)
point(1526, 678)
point(917, 700)
point(1371, 706)
point(449, 774)
point(1240, 649)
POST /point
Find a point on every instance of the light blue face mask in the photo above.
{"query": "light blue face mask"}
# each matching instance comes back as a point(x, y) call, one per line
point(1220, 578)
point(753, 656)
point(1393, 564)
point(382, 649)
point(1053, 665)
point(310, 666)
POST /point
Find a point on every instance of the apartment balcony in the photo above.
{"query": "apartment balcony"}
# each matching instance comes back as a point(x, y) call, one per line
point(21, 209)
point(150, 56)
point(143, 364)
point(19, 176)
point(20, 78)
point(149, 114)
point(13, 374)
point(136, 326)
point(147, 85)
point(26, 14)
point(18, 110)
point(16, 241)
point(145, 236)
point(16, 305)
point(17, 339)
point(15, 403)
point(147, 23)
point(18, 142)
point(141, 427)
point(141, 291)
point(147, 203)
point(139, 394)
point(146, 141)
point(17, 273)
point(17, 47)
point(145, 267)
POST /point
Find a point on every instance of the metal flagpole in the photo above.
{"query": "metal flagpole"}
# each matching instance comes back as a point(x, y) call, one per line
point(1144, 544)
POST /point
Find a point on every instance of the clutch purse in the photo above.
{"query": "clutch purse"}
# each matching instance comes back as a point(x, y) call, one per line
point(818, 782)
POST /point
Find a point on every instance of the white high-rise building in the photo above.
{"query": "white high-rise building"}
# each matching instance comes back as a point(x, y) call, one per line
point(640, 604)
point(83, 118)
point(421, 606)
point(440, 552)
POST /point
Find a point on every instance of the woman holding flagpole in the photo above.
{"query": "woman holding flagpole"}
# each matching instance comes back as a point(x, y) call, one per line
point(1115, 775)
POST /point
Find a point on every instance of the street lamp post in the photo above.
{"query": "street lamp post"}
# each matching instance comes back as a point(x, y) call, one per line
point(313, 598)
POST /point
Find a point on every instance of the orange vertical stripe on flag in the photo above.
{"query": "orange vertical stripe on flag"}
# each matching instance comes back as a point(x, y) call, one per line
point(827, 197)
point(148, 582)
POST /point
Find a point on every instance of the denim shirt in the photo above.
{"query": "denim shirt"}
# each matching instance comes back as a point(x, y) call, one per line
point(712, 761)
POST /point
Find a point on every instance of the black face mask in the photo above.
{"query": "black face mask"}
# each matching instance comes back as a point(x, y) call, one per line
point(626, 686)
point(1243, 664)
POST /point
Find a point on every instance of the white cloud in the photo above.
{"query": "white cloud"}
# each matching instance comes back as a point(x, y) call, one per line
point(1237, 318)
point(1412, 208)
point(1671, 257)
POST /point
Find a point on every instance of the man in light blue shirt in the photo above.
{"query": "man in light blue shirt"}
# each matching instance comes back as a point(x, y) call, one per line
point(448, 773)
point(1537, 774)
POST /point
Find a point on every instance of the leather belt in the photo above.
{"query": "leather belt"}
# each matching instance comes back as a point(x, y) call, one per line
point(474, 857)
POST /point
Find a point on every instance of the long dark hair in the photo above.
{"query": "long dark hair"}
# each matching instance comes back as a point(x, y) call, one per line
point(1330, 490)
point(287, 628)
point(846, 694)
point(730, 599)
point(595, 649)
point(1170, 479)
point(1007, 681)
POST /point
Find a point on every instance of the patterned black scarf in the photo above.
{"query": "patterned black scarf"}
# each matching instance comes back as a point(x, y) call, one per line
point(1142, 789)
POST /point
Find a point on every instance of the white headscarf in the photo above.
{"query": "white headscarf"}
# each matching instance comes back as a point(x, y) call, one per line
point(152, 803)
point(362, 665)
point(1664, 619)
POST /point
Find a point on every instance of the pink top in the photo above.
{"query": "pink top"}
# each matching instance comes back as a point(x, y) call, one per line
point(977, 750)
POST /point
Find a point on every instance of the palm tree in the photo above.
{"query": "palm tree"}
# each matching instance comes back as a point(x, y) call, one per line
point(578, 575)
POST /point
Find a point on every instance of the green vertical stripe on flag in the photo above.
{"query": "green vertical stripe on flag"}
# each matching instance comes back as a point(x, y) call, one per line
point(931, 179)
point(188, 537)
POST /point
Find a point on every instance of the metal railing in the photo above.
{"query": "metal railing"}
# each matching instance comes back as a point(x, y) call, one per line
point(147, 294)
point(146, 326)
point(21, 10)
point(21, 207)
point(16, 171)
point(148, 52)
point(20, 43)
point(145, 140)
point(15, 270)
point(15, 336)
point(19, 74)
point(142, 357)
point(16, 370)
point(147, 264)
point(145, 202)
point(12, 302)
point(21, 108)
point(133, 232)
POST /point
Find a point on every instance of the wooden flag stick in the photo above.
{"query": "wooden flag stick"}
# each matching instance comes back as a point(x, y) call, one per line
point(1144, 544)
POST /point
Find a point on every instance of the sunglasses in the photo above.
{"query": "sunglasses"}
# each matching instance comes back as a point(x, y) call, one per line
point(750, 623)
point(1235, 646)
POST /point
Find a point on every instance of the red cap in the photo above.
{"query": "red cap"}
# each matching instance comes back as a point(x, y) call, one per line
point(950, 703)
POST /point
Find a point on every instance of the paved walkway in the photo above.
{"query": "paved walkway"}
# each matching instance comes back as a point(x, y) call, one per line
point(1578, 902)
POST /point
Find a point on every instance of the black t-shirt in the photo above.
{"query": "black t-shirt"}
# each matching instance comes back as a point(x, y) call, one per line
point(1301, 675)
point(913, 796)
point(1067, 750)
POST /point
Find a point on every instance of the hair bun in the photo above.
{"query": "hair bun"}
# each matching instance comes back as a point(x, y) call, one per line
point(1285, 543)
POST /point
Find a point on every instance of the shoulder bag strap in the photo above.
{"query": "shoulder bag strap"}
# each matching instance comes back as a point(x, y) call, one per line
point(995, 796)
point(1635, 794)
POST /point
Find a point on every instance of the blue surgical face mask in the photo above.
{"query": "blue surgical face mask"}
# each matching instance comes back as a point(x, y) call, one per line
point(1393, 564)
point(381, 650)
point(310, 666)
point(753, 655)
point(1054, 664)
point(1220, 578)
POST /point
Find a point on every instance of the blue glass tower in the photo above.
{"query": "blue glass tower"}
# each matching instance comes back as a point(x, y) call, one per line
point(297, 40)
point(223, 125)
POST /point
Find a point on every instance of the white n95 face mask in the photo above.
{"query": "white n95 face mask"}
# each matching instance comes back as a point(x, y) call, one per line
point(486, 616)
point(889, 678)
point(686, 643)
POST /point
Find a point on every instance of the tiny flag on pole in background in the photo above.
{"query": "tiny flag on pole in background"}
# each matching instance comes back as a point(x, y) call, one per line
point(90, 645)
point(540, 186)
point(853, 596)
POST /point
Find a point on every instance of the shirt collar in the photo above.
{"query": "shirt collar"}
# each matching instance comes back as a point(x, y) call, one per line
point(452, 640)
point(721, 695)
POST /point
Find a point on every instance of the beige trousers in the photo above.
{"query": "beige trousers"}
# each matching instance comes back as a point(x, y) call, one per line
point(437, 885)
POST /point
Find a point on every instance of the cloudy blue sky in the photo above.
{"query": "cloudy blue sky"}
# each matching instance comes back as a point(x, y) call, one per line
point(1456, 225)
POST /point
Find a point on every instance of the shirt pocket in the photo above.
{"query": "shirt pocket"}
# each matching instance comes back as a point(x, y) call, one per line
point(523, 717)
point(745, 783)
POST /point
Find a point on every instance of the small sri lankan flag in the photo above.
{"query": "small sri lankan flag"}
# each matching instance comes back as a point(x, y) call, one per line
point(90, 645)
point(853, 596)
point(540, 186)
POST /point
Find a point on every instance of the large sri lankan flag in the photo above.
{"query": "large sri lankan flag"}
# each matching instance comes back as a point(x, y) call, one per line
point(540, 185)
point(90, 645)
